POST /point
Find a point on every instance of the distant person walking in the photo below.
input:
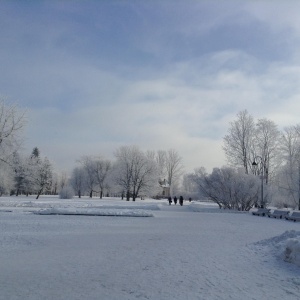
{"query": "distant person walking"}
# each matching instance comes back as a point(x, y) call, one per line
point(175, 200)
point(181, 200)
point(170, 200)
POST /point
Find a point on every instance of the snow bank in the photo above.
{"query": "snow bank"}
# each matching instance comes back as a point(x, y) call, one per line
point(71, 204)
point(145, 207)
point(285, 246)
point(95, 212)
point(210, 208)
point(292, 251)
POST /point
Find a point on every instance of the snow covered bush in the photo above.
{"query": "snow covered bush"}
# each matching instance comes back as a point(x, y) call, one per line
point(66, 193)
point(228, 187)
point(292, 251)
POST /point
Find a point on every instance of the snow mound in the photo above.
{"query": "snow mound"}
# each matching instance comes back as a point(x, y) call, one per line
point(285, 246)
point(95, 212)
point(292, 251)
point(145, 207)
point(210, 208)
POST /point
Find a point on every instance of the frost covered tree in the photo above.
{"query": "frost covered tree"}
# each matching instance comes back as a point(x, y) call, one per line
point(288, 175)
point(102, 168)
point(228, 187)
point(19, 168)
point(6, 179)
point(161, 160)
point(42, 176)
point(23, 168)
point(267, 141)
point(92, 175)
point(174, 168)
point(12, 122)
point(88, 165)
point(238, 143)
point(63, 180)
point(189, 188)
point(134, 171)
point(40, 173)
point(77, 181)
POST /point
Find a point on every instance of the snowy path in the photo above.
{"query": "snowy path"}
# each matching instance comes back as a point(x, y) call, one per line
point(178, 254)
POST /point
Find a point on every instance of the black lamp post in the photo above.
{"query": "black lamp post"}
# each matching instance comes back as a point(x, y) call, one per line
point(254, 164)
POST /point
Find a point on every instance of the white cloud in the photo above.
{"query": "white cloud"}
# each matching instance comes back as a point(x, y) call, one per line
point(160, 87)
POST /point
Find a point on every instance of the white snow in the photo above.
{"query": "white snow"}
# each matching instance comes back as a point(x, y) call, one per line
point(196, 251)
point(96, 212)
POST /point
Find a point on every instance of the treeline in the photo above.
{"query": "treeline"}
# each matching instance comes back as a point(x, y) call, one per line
point(132, 173)
point(264, 166)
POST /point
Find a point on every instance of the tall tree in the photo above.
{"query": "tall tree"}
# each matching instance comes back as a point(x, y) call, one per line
point(78, 180)
point(288, 177)
point(238, 143)
point(161, 157)
point(42, 176)
point(174, 167)
point(134, 171)
point(12, 122)
point(102, 169)
point(267, 140)
point(88, 165)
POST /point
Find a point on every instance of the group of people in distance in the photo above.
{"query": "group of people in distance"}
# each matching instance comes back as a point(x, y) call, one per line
point(175, 200)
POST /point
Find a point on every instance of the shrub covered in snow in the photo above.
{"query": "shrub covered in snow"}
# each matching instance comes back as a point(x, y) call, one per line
point(66, 193)
point(230, 188)
point(292, 251)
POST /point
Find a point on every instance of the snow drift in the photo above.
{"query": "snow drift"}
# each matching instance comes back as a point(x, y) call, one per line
point(95, 212)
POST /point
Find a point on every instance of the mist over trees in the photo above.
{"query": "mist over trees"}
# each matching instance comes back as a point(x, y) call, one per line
point(133, 173)
point(263, 167)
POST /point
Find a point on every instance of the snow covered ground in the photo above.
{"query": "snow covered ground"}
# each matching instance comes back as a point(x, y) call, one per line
point(168, 252)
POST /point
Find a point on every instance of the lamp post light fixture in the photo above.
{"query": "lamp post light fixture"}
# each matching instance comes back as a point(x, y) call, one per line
point(255, 164)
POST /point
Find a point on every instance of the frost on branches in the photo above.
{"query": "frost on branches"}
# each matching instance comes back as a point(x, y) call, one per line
point(228, 187)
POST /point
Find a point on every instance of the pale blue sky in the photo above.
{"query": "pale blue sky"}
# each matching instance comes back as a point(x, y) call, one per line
point(95, 75)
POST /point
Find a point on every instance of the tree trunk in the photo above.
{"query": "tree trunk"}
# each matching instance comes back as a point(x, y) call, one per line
point(38, 195)
point(91, 194)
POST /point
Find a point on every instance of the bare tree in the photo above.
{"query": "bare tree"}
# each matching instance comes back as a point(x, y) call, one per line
point(135, 172)
point(78, 180)
point(7, 177)
point(101, 169)
point(63, 180)
point(267, 139)
point(238, 143)
point(288, 177)
point(12, 121)
point(174, 167)
point(42, 174)
point(88, 165)
point(123, 169)
point(161, 159)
